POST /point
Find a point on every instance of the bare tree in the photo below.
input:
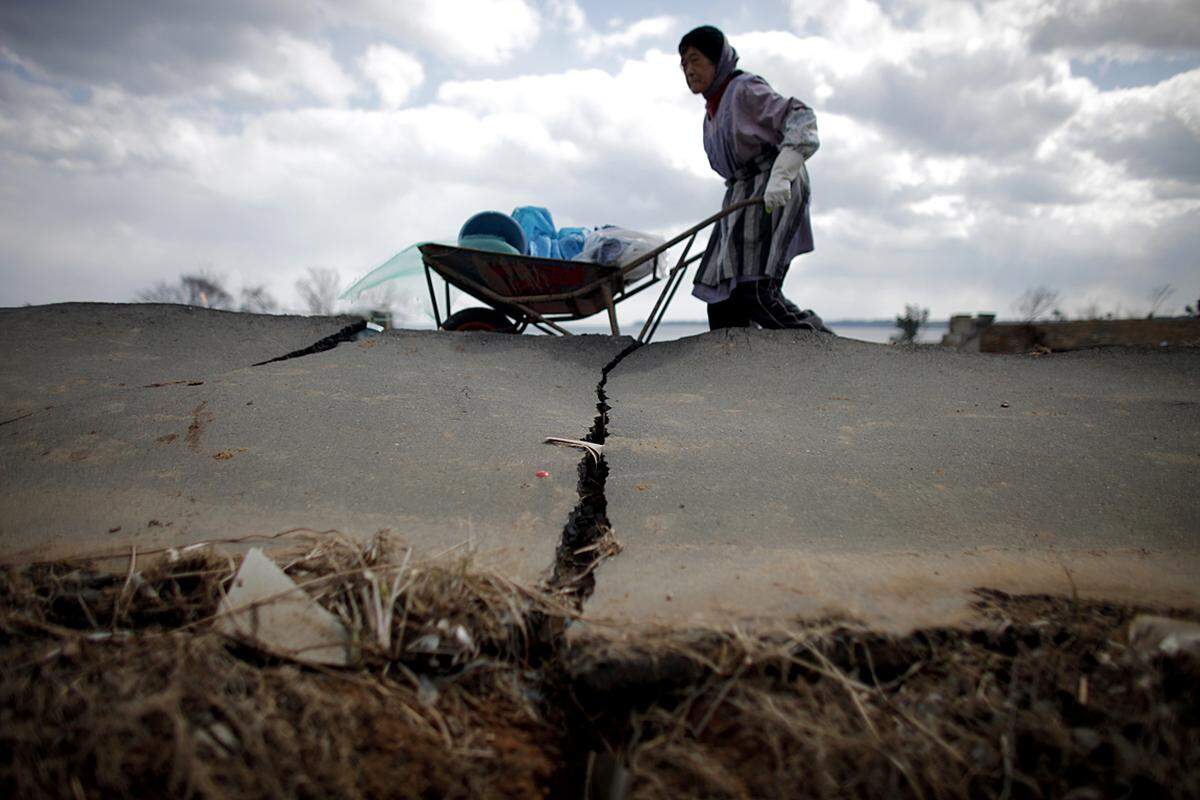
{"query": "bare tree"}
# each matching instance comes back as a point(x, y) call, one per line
point(257, 300)
point(1158, 296)
point(319, 289)
point(1035, 303)
point(198, 289)
point(205, 291)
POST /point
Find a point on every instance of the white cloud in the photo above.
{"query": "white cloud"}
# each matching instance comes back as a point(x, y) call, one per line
point(860, 23)
point(568, 14)
point(257, 46)
point(394, 72)
point(479, 31)
point(958, 166)
point(476, 32)
point(113, 131)
point(1153, 132)
point(651, 28)
point(644, 108)
point(345, 187)
point(290, 70)
point(1118, 29)
point(947, 139)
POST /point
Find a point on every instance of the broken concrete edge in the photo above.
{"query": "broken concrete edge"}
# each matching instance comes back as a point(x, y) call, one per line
point(1155, 629)
point(626, 659)
point(265, 607)
point(107, 557)
point(896, 592)
point(598, 543)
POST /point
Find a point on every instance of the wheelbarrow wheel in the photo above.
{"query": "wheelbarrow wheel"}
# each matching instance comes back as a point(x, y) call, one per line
point(479, 319)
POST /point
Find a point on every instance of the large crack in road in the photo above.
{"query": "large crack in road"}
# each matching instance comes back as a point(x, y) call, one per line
point(587, 538)
point(347, 334)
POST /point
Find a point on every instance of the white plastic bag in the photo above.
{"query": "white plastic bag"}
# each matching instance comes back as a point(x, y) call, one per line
point(617, 247)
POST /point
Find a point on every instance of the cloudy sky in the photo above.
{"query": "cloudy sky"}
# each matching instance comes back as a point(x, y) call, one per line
point(970, 150)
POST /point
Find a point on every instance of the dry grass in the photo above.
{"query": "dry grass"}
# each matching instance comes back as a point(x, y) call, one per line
point(119, 686)
point(1045, 700)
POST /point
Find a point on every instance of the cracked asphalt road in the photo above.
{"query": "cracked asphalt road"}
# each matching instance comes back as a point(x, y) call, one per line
point(433, 436)
point(774, 474)
point(752, 475)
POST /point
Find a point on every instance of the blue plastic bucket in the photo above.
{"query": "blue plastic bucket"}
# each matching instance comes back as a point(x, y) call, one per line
point(495, 223)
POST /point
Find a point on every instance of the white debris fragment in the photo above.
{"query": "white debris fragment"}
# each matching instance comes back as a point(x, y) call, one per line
point(265, 608)
point(1150, 634)
point(594, 450)
point(429, 643)
point(224, 734)
point(427, 692)
point(463, 637)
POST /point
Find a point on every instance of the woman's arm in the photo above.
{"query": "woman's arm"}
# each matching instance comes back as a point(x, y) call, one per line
point(783, 123)
point(800, 130)
point(775, 120)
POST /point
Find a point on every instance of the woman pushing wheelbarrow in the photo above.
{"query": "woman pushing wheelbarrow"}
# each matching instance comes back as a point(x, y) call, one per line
point(758, 141)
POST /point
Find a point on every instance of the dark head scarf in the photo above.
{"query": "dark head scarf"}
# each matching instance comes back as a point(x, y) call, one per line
point(713, 45)
point(707, 39)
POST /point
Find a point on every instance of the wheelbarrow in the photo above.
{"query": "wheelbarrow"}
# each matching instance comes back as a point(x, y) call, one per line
point(521, 291)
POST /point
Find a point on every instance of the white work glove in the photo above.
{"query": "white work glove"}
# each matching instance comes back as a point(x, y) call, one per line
point(787, 166)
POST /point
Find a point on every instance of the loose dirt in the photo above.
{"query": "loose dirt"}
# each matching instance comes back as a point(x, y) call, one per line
point(465, 685)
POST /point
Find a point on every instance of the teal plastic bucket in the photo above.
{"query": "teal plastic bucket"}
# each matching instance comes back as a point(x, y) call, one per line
point(495, 223)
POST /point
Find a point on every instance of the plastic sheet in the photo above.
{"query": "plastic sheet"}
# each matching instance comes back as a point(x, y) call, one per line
point(570, 241)
point(405, 264)
point(542, 239)
point(617, 247)
point(408, 264)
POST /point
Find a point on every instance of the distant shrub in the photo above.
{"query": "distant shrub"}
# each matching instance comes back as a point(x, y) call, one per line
point(910, 324)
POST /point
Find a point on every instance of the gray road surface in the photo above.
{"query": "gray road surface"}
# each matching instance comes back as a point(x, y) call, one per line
point(753, 476)
point(776, 473)
point(436, 437)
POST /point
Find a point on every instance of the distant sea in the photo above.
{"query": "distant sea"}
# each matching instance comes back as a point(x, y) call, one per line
point(876, 330)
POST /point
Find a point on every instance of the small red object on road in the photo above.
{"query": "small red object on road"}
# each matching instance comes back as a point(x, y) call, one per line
point(541, 473)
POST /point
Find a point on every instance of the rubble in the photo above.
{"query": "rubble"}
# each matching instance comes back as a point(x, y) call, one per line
point(113, 686)
point(266, 608)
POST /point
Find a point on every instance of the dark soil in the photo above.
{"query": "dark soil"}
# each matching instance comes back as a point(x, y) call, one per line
point(120, 686)
point(1044, 699)
point(111, 687)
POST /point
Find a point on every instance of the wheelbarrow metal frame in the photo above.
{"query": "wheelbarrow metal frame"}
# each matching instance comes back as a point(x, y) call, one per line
point(610, 286)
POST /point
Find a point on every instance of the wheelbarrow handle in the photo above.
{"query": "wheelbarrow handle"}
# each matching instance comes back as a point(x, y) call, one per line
point(692, 231)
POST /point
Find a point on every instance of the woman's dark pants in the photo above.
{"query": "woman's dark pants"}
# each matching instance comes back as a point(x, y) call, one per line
point(761, 302)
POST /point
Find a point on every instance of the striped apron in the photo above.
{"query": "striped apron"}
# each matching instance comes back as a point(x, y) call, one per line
point(751, 244)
